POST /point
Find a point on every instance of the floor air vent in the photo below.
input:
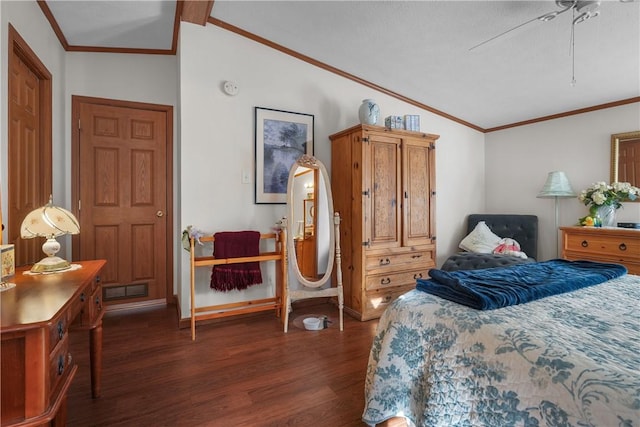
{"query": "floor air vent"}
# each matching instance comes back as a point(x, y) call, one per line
point(126, 291)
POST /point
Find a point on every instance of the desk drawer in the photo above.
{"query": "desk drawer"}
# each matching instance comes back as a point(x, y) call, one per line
point(89, 305)
point(78, 305)
point(59, 364)
point(58, 330)
point(94, 307)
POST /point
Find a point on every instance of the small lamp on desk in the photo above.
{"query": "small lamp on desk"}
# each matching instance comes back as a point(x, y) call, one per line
point(49, 221)
point(556, 186)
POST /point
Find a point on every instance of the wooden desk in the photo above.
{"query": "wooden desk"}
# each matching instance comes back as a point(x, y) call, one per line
point(36, 365)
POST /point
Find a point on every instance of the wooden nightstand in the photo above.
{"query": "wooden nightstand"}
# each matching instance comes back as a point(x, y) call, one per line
point(617, 245)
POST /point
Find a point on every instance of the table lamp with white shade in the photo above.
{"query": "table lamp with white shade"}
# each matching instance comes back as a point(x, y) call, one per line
point(49, 221)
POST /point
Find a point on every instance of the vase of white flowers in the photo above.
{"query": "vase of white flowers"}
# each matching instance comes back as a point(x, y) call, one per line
point(604, 199)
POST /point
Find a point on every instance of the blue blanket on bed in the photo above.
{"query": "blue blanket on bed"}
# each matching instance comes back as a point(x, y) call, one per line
point(492, 288)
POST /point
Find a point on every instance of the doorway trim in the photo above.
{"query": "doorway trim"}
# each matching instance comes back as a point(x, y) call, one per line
point(76, 102)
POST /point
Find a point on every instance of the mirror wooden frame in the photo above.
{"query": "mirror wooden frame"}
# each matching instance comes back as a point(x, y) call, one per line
point(616, 139)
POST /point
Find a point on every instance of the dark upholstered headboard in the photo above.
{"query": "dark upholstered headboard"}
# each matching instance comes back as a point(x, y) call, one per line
point(521, 228)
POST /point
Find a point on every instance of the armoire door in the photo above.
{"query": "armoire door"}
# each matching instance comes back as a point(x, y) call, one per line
point(418, 190)
point(382, 191)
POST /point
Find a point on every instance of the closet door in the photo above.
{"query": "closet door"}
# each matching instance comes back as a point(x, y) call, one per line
point(418, 192)
point(382, 191)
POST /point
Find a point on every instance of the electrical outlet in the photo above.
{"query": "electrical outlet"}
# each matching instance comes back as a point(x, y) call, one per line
point(245, 176)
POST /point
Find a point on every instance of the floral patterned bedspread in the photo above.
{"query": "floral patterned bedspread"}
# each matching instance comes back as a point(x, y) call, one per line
point(566, 360)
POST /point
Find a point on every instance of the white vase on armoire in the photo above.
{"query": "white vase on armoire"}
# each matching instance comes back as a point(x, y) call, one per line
point(369, 112)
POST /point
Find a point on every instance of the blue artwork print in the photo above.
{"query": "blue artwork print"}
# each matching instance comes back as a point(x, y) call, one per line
point(284, 142)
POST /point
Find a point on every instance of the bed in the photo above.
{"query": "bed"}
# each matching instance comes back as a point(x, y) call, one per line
point(565, 360)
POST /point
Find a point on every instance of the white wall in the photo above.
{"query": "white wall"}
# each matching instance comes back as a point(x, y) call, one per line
point(29, 21)
point(130, 77)
point(518, 160)
point(217, 140)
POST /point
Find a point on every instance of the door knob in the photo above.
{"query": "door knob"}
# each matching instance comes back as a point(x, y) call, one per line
point(159, 214)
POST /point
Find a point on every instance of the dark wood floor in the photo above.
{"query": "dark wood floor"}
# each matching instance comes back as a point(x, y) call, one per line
point(240, 372)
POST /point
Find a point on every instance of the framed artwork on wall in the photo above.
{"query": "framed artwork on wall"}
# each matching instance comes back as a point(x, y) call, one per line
point(281, 137)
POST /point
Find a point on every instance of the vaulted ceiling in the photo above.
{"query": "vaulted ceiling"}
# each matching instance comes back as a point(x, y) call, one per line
point(419, 51)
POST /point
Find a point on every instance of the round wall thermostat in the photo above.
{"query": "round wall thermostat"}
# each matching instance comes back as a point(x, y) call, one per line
point(230, 88)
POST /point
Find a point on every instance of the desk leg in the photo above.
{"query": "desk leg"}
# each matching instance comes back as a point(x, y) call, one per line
point(95, 340)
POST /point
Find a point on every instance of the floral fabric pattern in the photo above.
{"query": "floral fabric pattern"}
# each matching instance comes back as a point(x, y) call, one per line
point(565, 360)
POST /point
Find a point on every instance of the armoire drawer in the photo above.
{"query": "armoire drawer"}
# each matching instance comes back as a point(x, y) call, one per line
point(407, 260)
point(389, 280)
point(376, 301)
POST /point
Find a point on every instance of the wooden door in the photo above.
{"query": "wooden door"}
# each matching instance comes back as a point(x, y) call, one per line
point(123, 206)
point(382, 180)
point(417, 192)
point(29, 148)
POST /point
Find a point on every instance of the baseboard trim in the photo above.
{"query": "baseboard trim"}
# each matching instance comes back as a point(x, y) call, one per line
point(133, 306)
point(186, 322)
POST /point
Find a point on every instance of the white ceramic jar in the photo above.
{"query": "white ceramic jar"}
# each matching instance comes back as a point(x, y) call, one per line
point(369, 112)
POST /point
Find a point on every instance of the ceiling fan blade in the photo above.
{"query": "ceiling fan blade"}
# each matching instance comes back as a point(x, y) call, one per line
point(544, 18)
point(502, 34)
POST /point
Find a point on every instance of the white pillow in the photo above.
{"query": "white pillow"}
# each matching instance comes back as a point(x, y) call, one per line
point(481, 240)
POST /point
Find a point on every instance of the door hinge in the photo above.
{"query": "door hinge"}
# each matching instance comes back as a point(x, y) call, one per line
point(433, 238)
point(366, 193)
point(433, 193)
point(79, 127)
point(432, 146)
point(365, 139)
point(79, 205)
point(366, 244)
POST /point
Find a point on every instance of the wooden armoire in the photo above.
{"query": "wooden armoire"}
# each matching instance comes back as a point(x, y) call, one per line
point(383, 184)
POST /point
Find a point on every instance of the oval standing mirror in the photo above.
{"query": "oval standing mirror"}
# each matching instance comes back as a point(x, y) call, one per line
point(311, 237)
point(625, 158)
